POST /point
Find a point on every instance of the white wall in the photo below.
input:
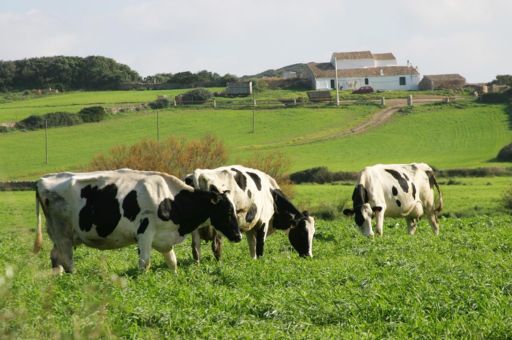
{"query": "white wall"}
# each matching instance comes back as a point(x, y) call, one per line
point(390, 62)
point(353, 63)
point(378, 83)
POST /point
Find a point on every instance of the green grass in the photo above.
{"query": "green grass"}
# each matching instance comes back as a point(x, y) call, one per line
point(457, 285)
point(72, 147)
point(443, 136)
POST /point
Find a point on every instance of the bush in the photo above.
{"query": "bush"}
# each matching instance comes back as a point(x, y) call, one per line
point(507, 199)
point(160, 103)
point(92, 114)
point(497, 97)
point(195, 96)
point(505, 154)
point(53, 119)
point(321, 175)
point(174, 156)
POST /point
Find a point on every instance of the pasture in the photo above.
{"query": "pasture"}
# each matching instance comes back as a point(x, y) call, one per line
point(445, 136)
point(456, 285)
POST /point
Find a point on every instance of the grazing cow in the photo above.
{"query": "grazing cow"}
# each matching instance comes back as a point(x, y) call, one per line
point(261, 207)
point(112, 209)
point(395, 190)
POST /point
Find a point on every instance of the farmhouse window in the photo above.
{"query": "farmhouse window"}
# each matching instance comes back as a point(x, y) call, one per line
point(333, 86)
point(366, 81)
point(402, 80)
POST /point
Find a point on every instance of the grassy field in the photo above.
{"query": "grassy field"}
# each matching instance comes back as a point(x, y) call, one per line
point(457, 285)
point(446, 136)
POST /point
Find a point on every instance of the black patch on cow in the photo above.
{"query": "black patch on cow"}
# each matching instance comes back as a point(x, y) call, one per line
point(398, 203)
point(256, 179)
point(299, 239)
point(189, 209)
point(413, 190)
point(285, 212)
point(143, 225)
point(101, 209)
point(240, 179)
point(189, 181)
point(251, 213)
point(164, 209)
point(405, 176)
point(249, 193)
point(402, 181)
point(214, 188)
point(359, 197)
point(130, 206)
point(394, 190)
point(431, 178)
point(260, 240)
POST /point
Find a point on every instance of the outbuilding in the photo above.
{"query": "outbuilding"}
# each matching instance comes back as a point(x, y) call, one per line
point(442, 81)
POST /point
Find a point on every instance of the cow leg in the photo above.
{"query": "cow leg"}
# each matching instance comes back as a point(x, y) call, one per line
point(379, 226)
point(170, 259)
point(260, 240)
point(217, 246)
point(434, 223)
point(251, 240)
point(144, 242)
point(54, 258)
point(411, 225)
point(196, 245)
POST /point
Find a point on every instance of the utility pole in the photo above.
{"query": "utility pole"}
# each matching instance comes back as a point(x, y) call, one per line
point(337, 86)
point(157, 127)
point(46, 140)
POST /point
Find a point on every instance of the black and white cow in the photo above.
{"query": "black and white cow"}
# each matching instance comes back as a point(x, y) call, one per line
point(261, 207)
point(395, 190)
point(112, 209)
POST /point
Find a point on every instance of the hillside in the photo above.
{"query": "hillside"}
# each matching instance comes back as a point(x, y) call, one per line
point(300, 69)
point(447, 136)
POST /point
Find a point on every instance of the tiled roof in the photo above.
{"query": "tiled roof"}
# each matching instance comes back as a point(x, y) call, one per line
point(383, 56)
point(326, 70)
point(353, 55)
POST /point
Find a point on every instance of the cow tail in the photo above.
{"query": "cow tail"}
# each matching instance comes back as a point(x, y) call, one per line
point(38, 243)
point(440, 203)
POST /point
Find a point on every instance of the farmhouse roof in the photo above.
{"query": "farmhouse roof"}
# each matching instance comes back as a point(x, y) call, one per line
point(326, 70)
point(353, 55)
point(445, 77)
point(383, 56)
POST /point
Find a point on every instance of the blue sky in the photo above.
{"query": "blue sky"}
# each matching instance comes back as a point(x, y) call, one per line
point(469, 37)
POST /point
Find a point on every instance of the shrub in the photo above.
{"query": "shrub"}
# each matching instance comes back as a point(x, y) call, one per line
point(497, 97)
point(321, 175)
point(277, 165)
point(507, 199)
point(160, 103)
point(174, 156)
point(92, 114)
point(53, 119)
point(505, 154)
point(195, 96)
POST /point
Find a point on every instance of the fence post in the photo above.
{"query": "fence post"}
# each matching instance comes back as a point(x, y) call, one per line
point(383, 101)
point(214, 103)
point(157, 126)
point(409, 100)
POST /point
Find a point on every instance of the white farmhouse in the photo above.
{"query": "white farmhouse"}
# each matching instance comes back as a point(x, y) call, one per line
point(356, 69)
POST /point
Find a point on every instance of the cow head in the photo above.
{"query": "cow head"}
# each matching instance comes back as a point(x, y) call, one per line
point(300, 226)
point(223, 217)
point(362, 210)
point(301, 235)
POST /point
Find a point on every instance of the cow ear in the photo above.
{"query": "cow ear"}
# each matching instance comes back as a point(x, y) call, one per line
point(375, 209)
point(348, 212)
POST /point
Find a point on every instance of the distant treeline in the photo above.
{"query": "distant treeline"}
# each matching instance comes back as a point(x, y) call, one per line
point(65, 73)
point(189, 80)
point(94, 73)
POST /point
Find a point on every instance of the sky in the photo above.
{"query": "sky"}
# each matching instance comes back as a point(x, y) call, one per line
point(243, 37)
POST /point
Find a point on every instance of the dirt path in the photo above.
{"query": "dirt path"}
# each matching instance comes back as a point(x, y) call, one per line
point(378, 118)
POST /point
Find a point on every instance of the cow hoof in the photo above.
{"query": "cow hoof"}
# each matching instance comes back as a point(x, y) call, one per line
point(58, 270)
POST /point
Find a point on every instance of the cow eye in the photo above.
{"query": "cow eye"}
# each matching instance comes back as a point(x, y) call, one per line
point(240, 211)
